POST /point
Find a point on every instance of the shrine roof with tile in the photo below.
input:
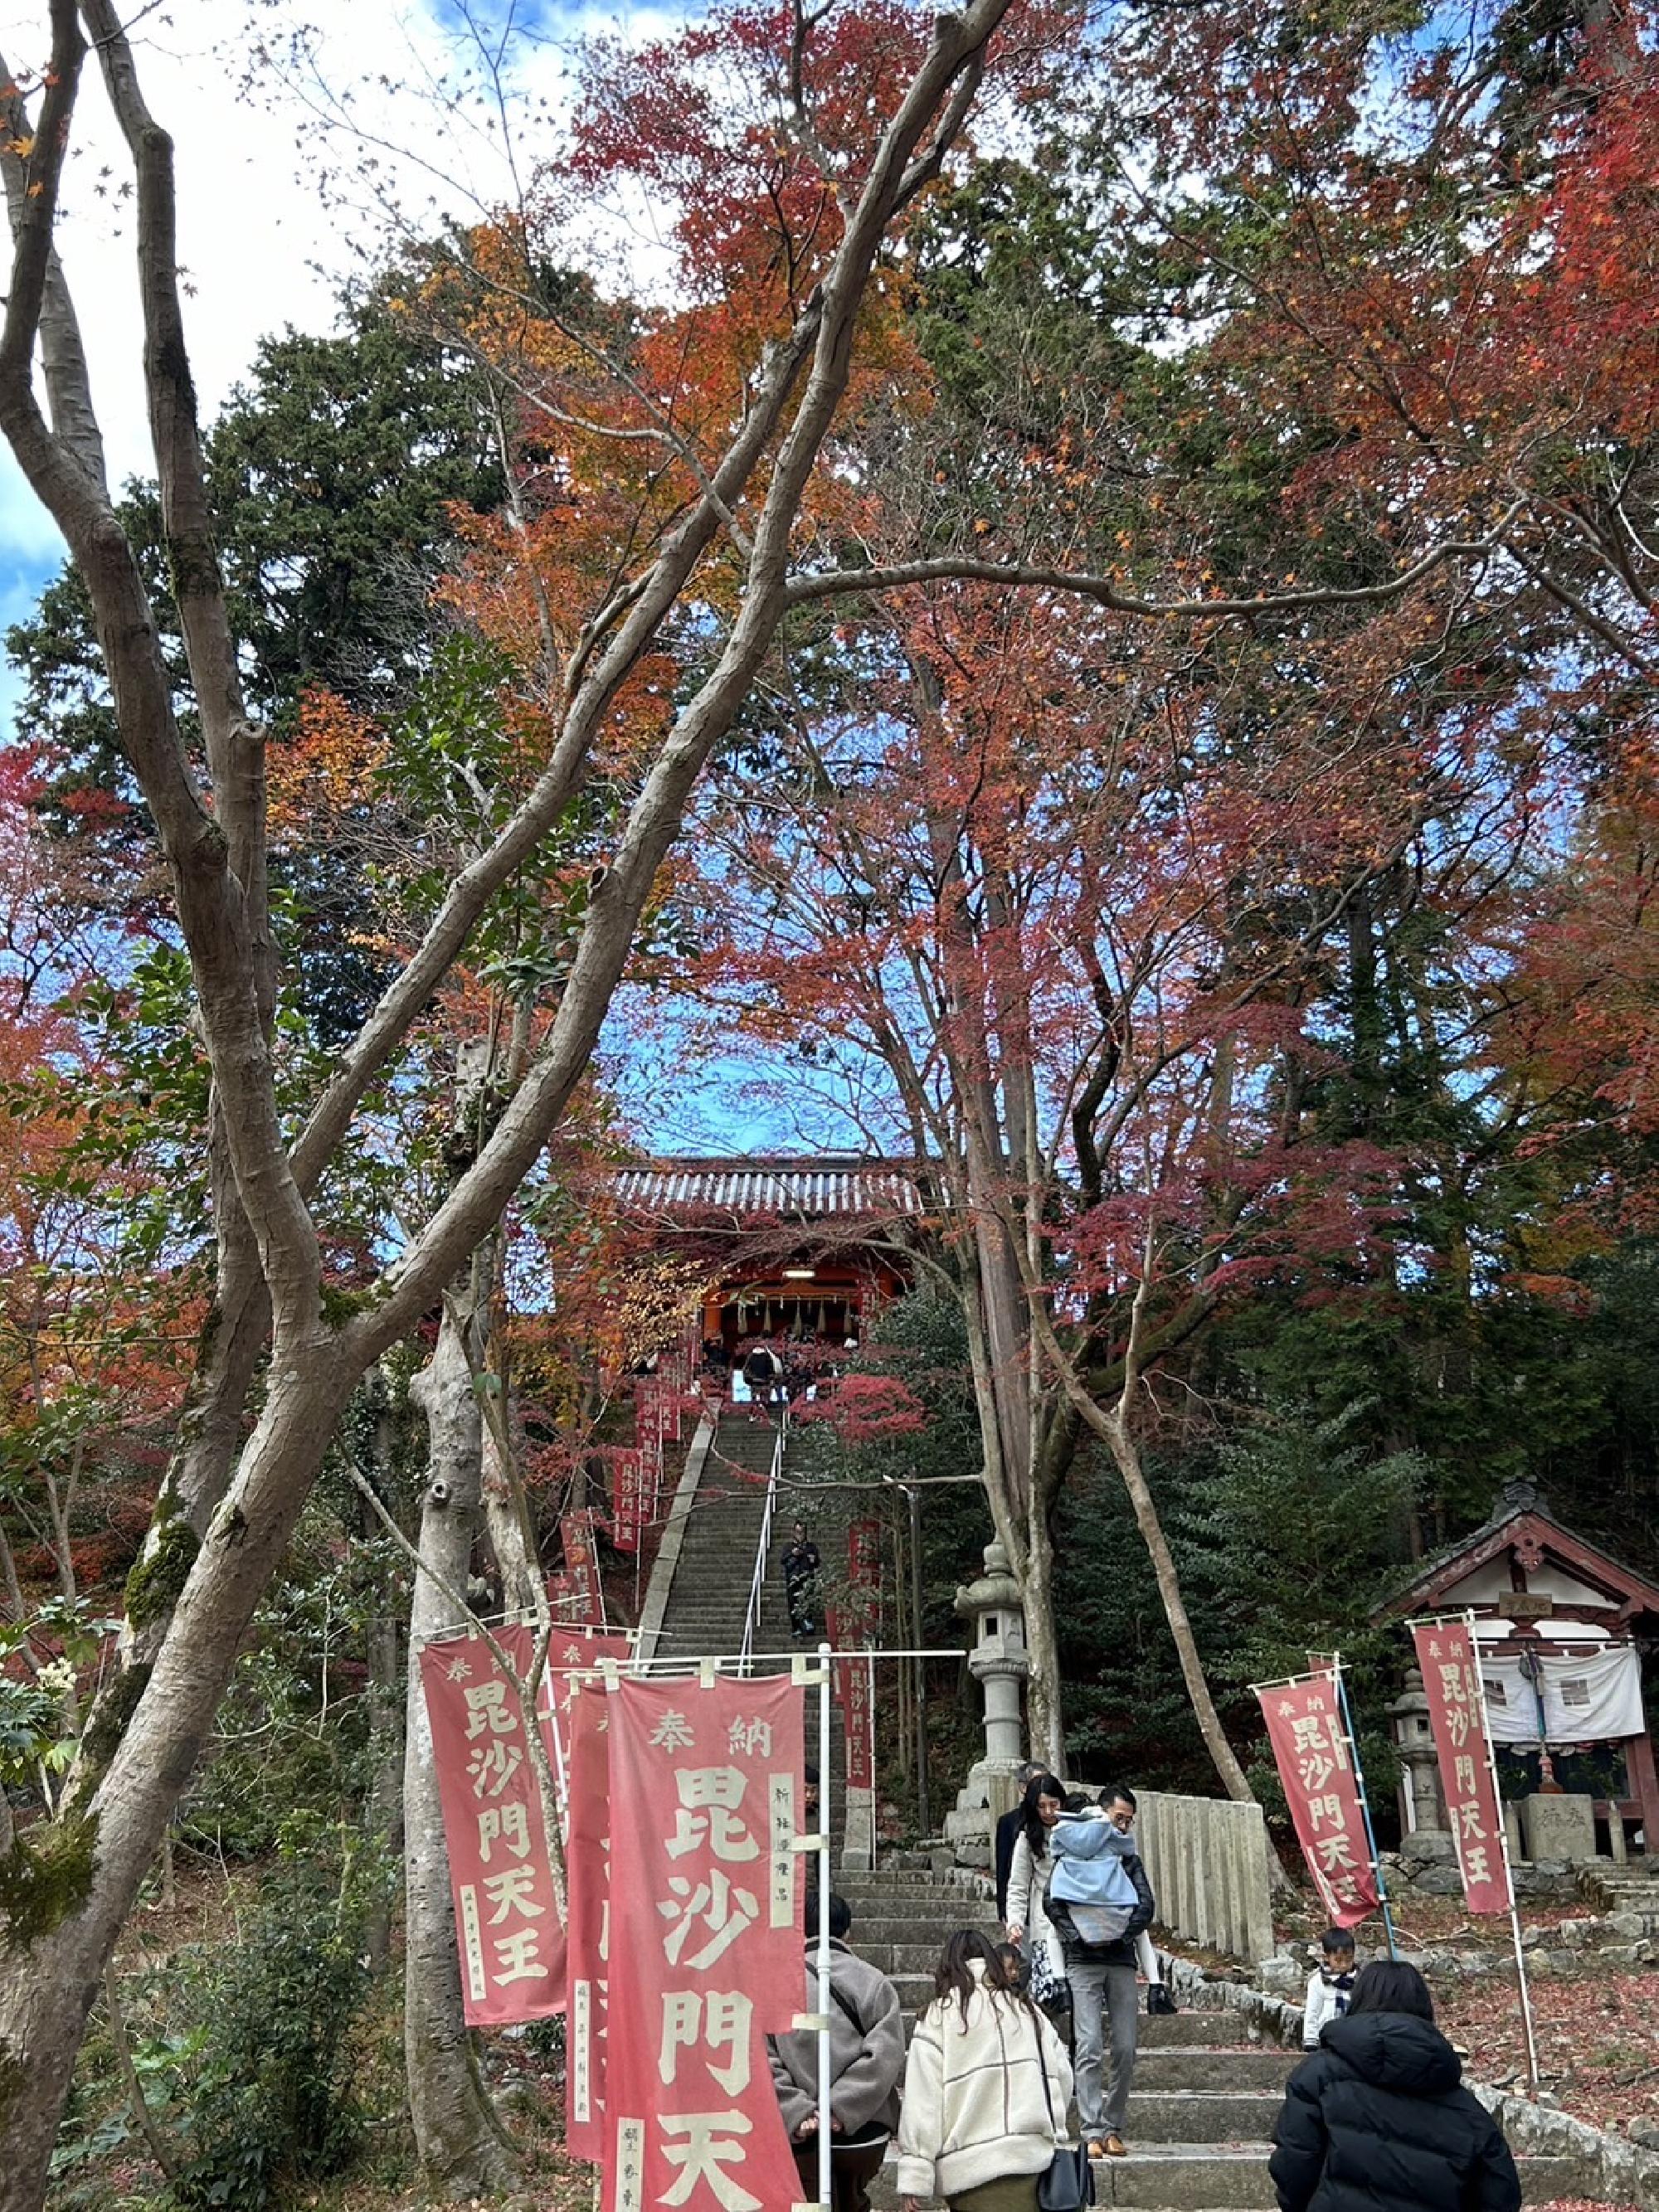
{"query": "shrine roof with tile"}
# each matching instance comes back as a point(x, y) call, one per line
point(814, 1187)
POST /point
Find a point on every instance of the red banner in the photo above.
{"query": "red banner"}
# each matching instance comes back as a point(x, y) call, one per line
point(859, 1720)
point(852, 1686)
point(1450, 1666)
point(864, 1559)
point(587, 1881)
point(650, 1412)
point(507, 1922)
point(627, 1498)
point(577, 1654)
point(1310, 1748)
point(706, 1953)
point(573, 1592)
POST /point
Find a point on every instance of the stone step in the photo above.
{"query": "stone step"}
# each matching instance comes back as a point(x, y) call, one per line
point(1188, 2178)
point(899, 1958)
point(1264, 2067)
point(931, 1906)
point(870, 1934)
point(1216, 2115)
point(890, 1876)
point(1198, 2031)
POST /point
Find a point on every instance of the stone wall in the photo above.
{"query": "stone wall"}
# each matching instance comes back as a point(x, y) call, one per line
point(1425, 1865)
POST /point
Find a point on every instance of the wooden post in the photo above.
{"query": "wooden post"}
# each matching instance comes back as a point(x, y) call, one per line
point(1645, 1781)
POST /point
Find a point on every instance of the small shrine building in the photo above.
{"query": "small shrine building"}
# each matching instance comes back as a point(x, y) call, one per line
point(816, 1244)
point(1563, 1627)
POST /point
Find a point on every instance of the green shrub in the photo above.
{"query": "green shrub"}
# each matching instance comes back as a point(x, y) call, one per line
point(268, 2096)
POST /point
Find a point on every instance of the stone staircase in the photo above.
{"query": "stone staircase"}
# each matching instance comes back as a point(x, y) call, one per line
point(1202, 2109)
point(710, 1596)
point(1204, 2099)
point(1628, 1895)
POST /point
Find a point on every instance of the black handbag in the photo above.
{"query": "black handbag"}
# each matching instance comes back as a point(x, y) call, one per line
point(1069, 2183)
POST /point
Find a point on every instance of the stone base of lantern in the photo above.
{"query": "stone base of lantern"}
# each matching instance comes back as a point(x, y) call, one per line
point(991, 1787)
point(857, 1848)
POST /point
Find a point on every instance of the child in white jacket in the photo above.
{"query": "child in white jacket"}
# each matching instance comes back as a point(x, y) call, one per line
point(986, 2085)
point(1329, 1986)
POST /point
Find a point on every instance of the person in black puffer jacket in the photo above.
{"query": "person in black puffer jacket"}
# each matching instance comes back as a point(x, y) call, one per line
point(1378, 2119)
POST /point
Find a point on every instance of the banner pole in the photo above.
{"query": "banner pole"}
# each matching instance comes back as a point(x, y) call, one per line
point(1509, 1872)
point(1365, 1803)
point(825, 1998)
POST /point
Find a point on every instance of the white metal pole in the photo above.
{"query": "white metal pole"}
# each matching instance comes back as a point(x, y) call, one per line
point(873, 1784)
point(825, 1998)
point(1509, 1872)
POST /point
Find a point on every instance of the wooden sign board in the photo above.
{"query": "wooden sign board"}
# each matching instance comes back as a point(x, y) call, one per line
point(1525, 1605)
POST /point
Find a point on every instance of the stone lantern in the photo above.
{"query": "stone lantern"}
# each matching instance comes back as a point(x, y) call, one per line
point(1422, 1804)
point(998, 1660)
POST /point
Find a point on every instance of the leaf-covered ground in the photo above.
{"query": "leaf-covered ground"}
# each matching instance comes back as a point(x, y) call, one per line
point(1598, 2037)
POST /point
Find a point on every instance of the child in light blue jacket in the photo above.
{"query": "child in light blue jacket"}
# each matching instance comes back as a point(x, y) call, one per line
point(1090, 1876)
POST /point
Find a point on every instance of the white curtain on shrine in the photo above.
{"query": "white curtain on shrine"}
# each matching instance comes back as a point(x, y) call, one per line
point(1591, 1698)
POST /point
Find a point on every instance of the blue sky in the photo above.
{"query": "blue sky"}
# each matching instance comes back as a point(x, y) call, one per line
point(263, 246)
point(263, 242)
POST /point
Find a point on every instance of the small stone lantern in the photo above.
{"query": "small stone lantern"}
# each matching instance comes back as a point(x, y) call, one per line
point(1422, 1803)
point(997, 1658)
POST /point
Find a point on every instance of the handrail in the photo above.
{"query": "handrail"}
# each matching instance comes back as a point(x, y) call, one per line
point(757, 1580)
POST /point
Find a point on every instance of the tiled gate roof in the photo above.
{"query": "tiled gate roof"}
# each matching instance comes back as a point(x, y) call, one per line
point(847, 1189)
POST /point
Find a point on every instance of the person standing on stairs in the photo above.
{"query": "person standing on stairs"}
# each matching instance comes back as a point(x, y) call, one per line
point(986, 2088)
point(1099, 1956)
point(762, 1370)
point(1378, 2119)
point(802, 1563)
point(1008, 1836)
point(1027, 1923)
point(867, 2060)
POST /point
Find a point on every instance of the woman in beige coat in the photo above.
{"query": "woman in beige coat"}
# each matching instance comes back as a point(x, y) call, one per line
point(986, 2089)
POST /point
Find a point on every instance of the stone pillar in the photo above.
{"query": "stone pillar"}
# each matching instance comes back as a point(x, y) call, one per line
point(997, 1659)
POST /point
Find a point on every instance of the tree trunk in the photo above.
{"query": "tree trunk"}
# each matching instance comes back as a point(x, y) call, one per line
point(507, 1525)
point(1032, 1561)
point(1127, 1457)
point(1043, 1687)
point(456, 2134)
point(383, 1813)
point(64, 1918)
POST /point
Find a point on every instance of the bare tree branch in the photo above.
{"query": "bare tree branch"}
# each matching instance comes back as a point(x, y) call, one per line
point(952, 569)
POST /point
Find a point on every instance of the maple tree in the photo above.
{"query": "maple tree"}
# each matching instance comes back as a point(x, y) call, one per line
point(1130, 716)
point(228, 1508)
point(1383, 788)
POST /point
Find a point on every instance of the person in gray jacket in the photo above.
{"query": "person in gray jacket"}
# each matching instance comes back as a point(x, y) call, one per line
point(866, 2061)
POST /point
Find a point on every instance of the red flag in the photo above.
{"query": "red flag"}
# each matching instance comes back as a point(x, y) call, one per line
point(650, 1412)
point(507, 1921)
point(1451, 1679)
point(628, 1480)
point(575, 1592)
point(864, 1558)
point(859, 1720)
point(707, 1952)
point(578, 1652)
point(853, 1696)
point(587, 1878)
point(1310, 1748)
